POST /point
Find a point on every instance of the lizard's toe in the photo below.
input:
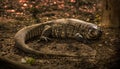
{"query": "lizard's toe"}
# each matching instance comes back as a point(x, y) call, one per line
point(43, 38)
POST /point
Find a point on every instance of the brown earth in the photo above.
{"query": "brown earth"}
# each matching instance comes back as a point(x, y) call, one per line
point(101, 54)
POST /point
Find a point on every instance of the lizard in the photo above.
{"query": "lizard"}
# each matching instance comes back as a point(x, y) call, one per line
point(59, 28)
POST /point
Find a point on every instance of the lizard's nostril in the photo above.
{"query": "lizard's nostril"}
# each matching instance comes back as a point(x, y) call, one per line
point(100, 33)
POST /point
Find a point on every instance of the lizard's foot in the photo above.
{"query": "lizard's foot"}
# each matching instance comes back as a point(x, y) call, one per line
point(43, 38)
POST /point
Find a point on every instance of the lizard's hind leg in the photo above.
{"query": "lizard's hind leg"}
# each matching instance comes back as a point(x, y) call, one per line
point(45, 33)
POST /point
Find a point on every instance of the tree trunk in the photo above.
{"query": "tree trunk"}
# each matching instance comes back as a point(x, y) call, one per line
point(111, 13)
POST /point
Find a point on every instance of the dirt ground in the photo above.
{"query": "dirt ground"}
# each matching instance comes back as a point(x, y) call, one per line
point(100, 54)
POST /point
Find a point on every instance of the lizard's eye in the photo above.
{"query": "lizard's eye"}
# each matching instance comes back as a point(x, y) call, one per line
point(95, 33)
point(92, 31)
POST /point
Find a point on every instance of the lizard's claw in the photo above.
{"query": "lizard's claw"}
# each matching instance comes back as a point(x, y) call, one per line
point(44, 38)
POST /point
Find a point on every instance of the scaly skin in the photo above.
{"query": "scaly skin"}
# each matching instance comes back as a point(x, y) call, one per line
point(60, 28)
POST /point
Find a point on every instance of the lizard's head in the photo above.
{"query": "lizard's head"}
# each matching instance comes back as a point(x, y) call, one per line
point(92, 33)
point(95, 33)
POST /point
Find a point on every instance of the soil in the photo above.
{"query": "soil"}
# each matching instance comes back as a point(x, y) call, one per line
point(99, 54)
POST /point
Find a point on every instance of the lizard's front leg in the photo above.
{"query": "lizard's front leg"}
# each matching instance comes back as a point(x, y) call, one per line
point(45, 33)
point(80, 38)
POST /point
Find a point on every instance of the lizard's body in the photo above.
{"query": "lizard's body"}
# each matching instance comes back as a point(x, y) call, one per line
point(61, 28)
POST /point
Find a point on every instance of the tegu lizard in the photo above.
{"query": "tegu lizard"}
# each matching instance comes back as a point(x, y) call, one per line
point(60, 28)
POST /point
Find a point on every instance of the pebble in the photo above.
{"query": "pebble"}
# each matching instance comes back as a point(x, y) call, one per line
point(23, 60)
point(99, 44)
point(3, 53)
point(106, 33)
point(1, 39)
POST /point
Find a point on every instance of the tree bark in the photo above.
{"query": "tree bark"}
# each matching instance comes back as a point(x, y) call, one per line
point(111, 13)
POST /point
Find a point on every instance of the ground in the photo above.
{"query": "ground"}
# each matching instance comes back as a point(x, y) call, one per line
point(100, 54)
